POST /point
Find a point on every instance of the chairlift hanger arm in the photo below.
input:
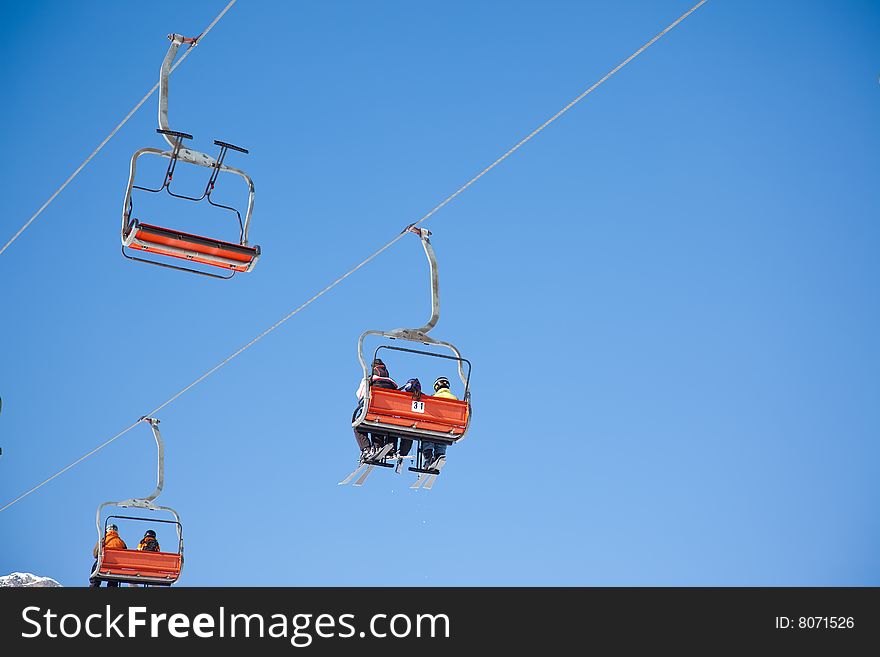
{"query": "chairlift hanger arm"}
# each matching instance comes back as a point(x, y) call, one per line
point(160, 465)
point(174, 140)
point(424, 235)
point(147, 502)
point(421, 334)
point(176, 41)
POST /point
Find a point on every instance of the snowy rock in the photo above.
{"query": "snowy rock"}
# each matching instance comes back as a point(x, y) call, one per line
point(27, 579)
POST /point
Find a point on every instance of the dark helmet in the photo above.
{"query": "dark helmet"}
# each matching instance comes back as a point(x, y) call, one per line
point(441, 382)
point(379, 368)
point(150, 533)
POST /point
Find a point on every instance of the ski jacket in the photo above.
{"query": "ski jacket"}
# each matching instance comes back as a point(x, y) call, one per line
point(445, 393)
point(111, 540)
point(148, 544)
point(378, 382)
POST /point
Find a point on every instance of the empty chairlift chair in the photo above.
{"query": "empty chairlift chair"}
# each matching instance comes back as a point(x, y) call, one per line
point(162, 241)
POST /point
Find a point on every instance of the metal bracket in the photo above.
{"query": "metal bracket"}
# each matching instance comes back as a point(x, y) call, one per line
point(417, 334)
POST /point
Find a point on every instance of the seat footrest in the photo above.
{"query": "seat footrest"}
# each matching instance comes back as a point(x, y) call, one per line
point(424, 471)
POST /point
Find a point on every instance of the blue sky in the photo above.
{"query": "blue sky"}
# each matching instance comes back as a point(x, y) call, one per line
point(669, 296)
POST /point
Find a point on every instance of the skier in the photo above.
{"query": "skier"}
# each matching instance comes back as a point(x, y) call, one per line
point(380, 379)
point(111, 540)
point(148, 542)
point(431, 451)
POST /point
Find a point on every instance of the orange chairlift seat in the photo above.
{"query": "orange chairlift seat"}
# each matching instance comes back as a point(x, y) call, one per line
point(421, 417)
point(141, 567)
point(159, 567)
point(414, 416)
point(167, 242)
point(135, 566)
point(445, 419)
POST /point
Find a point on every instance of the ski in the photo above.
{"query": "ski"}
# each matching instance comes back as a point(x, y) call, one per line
point(427, 476)
point(363, 477)
point(440, 462)
point(382, 454)
point(352, 475)
point(372, 463)
point(366, 464)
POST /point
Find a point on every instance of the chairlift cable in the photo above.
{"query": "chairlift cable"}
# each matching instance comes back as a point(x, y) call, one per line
point(374, 255)
point(115, 130)
point(68, 467)
point(553, 118)
point(204, 376)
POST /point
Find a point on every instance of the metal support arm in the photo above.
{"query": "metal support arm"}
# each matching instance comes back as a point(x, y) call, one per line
point(424, 234)
point(164, 72)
